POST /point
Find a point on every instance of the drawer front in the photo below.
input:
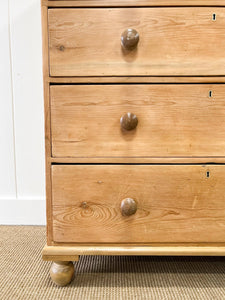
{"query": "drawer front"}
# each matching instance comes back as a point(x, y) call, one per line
point(173, 120)
point(173, 203)
point(172, 41)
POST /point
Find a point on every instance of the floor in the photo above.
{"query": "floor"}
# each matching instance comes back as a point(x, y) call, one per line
point(23, 274)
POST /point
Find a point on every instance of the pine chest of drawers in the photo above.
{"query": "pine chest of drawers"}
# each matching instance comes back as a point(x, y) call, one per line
point(135, 129)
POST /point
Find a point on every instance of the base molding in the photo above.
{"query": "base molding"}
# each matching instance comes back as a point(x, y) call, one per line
point(67, 253)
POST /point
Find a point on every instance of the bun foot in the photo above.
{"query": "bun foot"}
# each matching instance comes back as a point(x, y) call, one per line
point(62, 272)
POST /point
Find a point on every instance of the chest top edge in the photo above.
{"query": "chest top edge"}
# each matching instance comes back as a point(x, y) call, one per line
point(129, 3)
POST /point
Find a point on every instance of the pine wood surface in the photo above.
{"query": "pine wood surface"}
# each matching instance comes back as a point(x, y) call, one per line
point(117, 3)
point(71, 252)
point(62, 272)
point(140, 160)
point(46, 90)
point(173, 41)
point(175, 203)
point(173, 120)
point(73, 66)
point(135, 79)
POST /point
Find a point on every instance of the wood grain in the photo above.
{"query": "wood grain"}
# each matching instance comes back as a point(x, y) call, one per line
point(141, 159)
point(48, 256)
point(46, 86)
point(175, 203)
point(62, 272)
point(142, 79)
point(72, 252)
point(173, 120)
point(117, 3)
point(173, 42)
point(184, 214)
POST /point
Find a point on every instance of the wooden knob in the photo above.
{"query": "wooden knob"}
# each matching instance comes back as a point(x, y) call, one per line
point(128, 207)
point(129, 121)
point(129, 39)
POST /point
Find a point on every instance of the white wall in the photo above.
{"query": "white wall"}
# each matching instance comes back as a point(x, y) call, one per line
point(22, 184)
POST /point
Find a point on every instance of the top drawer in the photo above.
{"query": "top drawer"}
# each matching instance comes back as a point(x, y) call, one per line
point(172, 41)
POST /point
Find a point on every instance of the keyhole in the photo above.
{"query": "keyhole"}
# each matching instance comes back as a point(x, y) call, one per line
point(210, 94)
point(207, 174)
point(214, 17)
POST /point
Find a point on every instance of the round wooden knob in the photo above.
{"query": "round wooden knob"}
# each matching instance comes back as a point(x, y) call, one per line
point(129, 39)
point(128, 207)
point(129, 121)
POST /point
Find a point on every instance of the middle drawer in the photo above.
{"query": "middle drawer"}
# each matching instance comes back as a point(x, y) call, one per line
point(171, 120)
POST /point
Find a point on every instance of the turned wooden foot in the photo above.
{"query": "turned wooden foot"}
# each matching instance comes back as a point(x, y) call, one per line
point(62, 272)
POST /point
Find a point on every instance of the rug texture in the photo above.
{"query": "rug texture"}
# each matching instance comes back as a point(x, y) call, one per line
point(23, 274)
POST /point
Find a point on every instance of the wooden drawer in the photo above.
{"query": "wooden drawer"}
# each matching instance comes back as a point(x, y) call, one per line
point(173, 120)
point(175, 203)
point(172, 41)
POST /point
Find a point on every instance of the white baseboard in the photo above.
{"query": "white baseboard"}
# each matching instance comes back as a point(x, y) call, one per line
point(28, 211)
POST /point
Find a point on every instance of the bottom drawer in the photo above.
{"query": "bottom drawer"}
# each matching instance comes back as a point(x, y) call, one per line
point(138, 203)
